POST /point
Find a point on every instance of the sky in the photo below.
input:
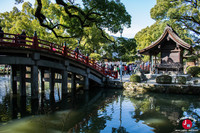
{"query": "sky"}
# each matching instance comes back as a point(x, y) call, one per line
point(138, 9)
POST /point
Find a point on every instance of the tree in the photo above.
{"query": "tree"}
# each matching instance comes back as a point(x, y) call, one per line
point(125, 48)
point(92, 41)
point(186, 13)
point(82, 23)
point(76, 17)
point(15, 21)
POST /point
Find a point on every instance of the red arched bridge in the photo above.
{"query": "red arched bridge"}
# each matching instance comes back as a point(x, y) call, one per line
point(31, 59)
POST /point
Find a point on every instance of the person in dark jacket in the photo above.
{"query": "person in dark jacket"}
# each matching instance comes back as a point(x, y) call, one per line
point(22, 37)
point(77, 50)
point(1, 34)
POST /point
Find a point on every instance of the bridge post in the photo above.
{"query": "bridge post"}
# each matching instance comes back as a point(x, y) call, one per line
point(93, 63)
point(34, 83)
point(14, 79)
point(87, 60)
point(14, 107)
point(86, 80)
point(23, 106)
point(103, 70)
point(22, 80)
point(42, 79)
point(65, 79)
point(51, 81)
point(64, 50)
point(16, 40)
point(73, 84)
point(64, 82)
point(77, 55)
point(35, 40)
point(34, 106)
point(34, 77)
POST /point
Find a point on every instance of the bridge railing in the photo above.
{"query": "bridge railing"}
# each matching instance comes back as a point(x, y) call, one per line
point(16, 40)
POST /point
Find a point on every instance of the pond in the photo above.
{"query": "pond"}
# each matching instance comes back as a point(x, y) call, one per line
point(106, 111)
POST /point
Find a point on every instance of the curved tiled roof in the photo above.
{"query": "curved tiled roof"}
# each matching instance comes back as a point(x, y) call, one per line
point(172, 34)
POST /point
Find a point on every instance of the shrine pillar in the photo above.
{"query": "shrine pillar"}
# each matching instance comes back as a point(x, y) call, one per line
point(151, 64)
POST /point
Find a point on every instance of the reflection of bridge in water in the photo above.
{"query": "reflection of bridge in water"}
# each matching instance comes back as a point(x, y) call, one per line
point(15, 107)
point(35, 61)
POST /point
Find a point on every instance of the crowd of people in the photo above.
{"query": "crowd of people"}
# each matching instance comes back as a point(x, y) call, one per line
point(126, 68)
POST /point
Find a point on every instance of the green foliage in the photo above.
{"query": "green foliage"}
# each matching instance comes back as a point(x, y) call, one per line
point(193, 71)
point(164, 79)
point(92, 41)
point(126, 48)
point(95, 56)
point(181, 80)
point(76, 16)
point(135, 78)
point(183, 12)
point(192, 58)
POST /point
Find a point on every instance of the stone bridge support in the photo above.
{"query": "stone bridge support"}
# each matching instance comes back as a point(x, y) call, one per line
point(14, 79)
point(65, 78)
point(34, 76)
point(73, 84)
point(64, 82)
point(86, 79)
point(22, 77)
point(34, 82)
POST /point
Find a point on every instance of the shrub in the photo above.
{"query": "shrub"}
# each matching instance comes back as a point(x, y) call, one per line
point(164, 79)
point(194, 71)
point(192, 59)
point(135, 78)
point(181, 80)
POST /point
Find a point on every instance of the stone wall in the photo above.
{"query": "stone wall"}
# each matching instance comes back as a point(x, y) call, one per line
point(162, 88)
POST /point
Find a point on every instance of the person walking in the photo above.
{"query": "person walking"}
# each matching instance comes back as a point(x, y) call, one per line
point(125, 69)
point(118, 70)
point(130, 69)
point(76, 52)
point(22, 37)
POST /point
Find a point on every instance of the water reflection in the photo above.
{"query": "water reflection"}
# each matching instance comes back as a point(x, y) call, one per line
point(141, 113)
point(99, 111)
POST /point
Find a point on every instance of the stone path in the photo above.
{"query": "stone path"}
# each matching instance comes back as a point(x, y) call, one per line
point(125, 78)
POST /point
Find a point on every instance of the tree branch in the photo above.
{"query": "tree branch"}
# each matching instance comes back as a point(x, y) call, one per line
point(188, 27)
point(103, 34)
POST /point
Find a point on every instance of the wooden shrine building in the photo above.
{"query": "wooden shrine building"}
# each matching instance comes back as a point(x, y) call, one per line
point(171, 47)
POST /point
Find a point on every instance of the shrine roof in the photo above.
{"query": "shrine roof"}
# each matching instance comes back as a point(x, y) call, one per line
point(168, 33)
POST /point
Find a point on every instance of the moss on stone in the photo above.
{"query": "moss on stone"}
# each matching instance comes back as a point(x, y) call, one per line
point(164, 79)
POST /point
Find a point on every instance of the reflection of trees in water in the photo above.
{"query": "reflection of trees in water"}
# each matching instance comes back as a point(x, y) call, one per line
point(160, 107)
point(119, 130)
point(95, 121)
point(16, 107)
point(81, 118)
point(5, 110)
